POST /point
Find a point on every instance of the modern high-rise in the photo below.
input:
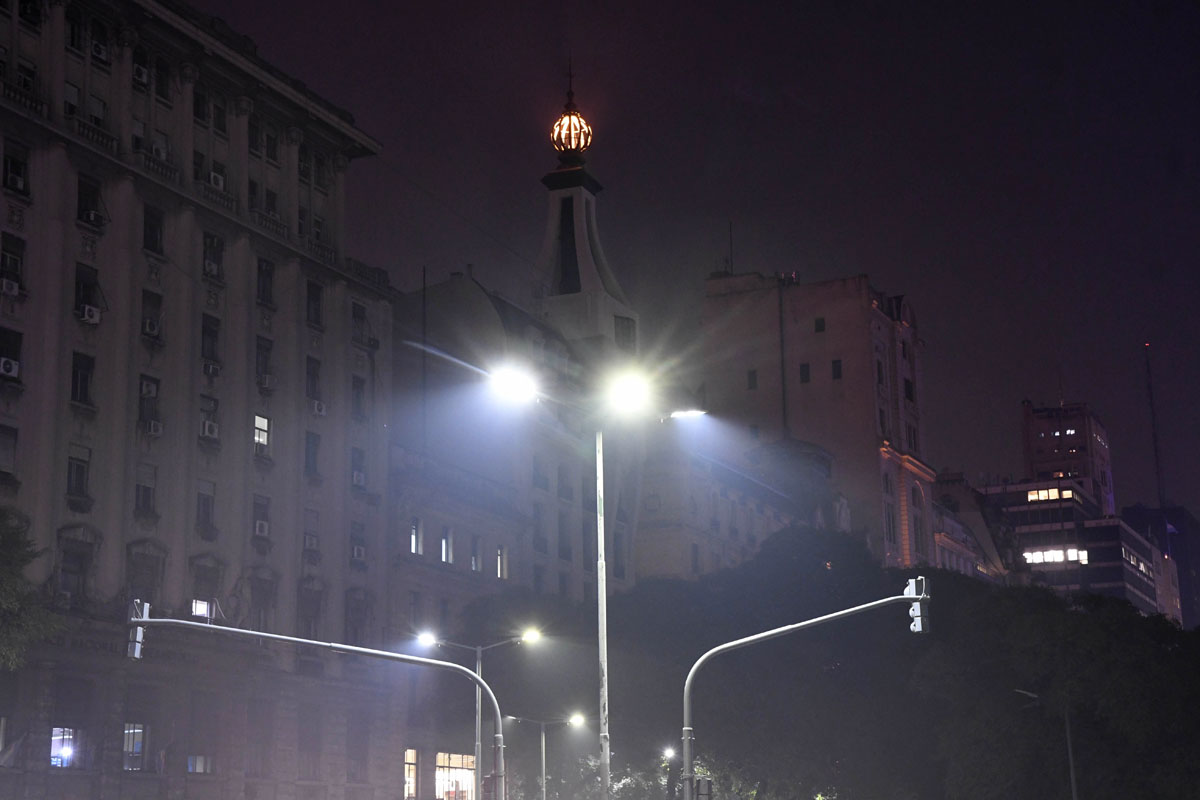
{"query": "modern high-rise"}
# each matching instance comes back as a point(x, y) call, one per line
point(1069, 441)
point(837, 364)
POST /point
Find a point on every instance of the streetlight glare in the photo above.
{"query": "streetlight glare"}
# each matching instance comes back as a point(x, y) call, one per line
point(426, 639)
point(531, 636)
point(669, 753)
point(576, 720)
point(513, 385)
point(628, 393)
point(688, 413)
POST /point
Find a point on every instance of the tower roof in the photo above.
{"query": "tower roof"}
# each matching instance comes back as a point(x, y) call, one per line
point(571, 134)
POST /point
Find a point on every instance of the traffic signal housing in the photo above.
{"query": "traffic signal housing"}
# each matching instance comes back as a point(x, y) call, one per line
point(919, 610)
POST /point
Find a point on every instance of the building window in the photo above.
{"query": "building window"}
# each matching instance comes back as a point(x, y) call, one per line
point(752, 379)
point(889, 523)
point(143, 572)
point(805, 375)
point(837, 369)
point(476, 555)
point(909, 393)
point(883, 430)
point(88, 205)
point(214, 256)
point(78, 465)
point(70, 99)
point(358, 397)
point(308, 611)
point(625, 333)
point(312, 304)
point(502, 562)
point(304, 163)
point(564, 535)
point(210, 338)
point(206, 492)
point(203, 734)
point(271, 143)
point(87, 290)
point(12, 258)
point(302, 222)
point(260, 510)
point(260, 730)
point(262, 358)
point(358, 467)
point(912, 437)
point(66, 747)
point(819, 325)
point(83, 370)
point(271, 203)
point(878, 372)
point(134, 747)
point(144, 489)
point(218, 114)
point(151, 315)
point(312, 378)
point(265, 287)
point(541, 543)
point(414, 610)
point(312, 447)
point(447, 546)
point(97, 111)
point(356, 620)
point(410, 774)
point(200, 104)
point(416, 537)
point(16, 167)
point(262, 432)
point(162, 80)
point(198, 161)
point(8, 450)
point(358, 737)
point(152, 229)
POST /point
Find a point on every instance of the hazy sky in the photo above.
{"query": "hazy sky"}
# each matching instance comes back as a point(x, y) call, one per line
point(1028, 176)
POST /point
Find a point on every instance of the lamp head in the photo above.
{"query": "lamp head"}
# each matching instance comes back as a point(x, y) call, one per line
point(513, 384)
point(427, 639)
point(576, 720)
point(531, 636)
point(628, 394)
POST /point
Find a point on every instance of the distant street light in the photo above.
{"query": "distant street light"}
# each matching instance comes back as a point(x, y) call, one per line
point(669, 753)
point(575, 720)
point(429, 639)
point(1070, 747)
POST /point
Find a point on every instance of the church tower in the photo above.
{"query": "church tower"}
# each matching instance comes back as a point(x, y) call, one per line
point(577, 291)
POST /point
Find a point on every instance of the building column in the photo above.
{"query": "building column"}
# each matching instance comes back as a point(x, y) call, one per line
point(239, 152)
point(55, 59)
point(187, 129)
point(338, 221)
point(291, 183)
point(122, 74)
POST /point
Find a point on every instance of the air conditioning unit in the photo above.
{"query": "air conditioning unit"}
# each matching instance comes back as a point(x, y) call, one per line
point(310, 541)
point(212, 269)
point(149, 389)
point(100, 51)
point(89, 314)
point(151, 327)
point(212, 369)
point(262, 528)
point(141, 75)
point(210, 430)
point(15, 182)
point(359, 552)
point(154, 428)
point(318, 408)
point(266, 381)
point(93, 217)
point(9, 368)
point(358, 478)
point(217, 180)
point(10, 287)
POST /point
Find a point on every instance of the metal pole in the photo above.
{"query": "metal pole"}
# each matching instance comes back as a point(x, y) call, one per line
point(1070, 752)
point(478, 726)
point(543, 727)
point(498, 744)
point(688, 776)
point(602, 619)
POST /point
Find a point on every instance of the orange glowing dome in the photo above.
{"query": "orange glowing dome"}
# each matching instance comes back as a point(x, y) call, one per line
point(571, 133)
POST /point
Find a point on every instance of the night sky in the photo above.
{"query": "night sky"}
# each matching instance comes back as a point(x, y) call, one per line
point(1028, 176)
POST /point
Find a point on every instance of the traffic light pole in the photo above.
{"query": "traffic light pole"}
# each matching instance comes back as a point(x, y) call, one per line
point(915, 593)
point(140, 619)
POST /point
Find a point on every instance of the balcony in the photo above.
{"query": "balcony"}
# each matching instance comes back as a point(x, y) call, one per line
point(216, 196)
point(269, 223)
point(324, 253)
point(159, 167)
point(94, 134)
point(26, 98)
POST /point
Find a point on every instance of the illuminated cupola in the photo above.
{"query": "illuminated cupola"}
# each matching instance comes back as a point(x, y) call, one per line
point(577, 291)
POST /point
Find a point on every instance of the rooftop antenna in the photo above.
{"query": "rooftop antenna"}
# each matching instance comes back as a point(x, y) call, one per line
point(1158, 474)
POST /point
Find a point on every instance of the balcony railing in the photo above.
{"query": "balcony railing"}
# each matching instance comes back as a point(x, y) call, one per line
point(94, 134)
point(27, 98)
point(269, 223)
point(159, 167)
point(321, 251)
point(215, 195)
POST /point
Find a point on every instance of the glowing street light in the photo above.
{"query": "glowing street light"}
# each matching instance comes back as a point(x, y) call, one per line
point(513, 385)
point(429, 639)
point(575, 720)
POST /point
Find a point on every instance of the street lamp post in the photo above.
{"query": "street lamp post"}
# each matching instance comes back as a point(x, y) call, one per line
point(1070, 746)
point(574, 721)
point(530, 636)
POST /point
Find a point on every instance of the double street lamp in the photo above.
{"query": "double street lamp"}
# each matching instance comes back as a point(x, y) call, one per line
point(429, 639)
point(576, 720)
point(625, 394)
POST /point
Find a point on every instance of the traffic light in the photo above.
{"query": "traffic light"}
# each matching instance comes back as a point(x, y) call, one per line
point(919, 610)
point(137, 633)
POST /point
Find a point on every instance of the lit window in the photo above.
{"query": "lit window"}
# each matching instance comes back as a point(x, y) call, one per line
point(1070, 431)
point(1083, 557)
point(410, 774)
point(1067, 494)
point(1058, 433)
point(447, 546)
point(502, 562)
point(1032, 496)
point(202, 608)
point(64, 747)
point(454, 777)
point(200, 764)
point(134, 747)
point(262, 430)
point(416, 544)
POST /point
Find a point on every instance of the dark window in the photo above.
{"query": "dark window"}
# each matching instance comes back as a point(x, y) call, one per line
point(78, 466)
point(308, 612)
point(10, 349)
point(152, 229)
point(100, 42)
point(309, 720)
point(625, 333)
point(218, 114)
point(265, 291)
point(12, 258)
point(271, 144)
point(74, 28)
point(214, 256)
point(359, 329)
point(302, 222)
point(356, 620)
point(837, 369)
point(162, 79)
point(144, 490)
point(252, 195)
point(200, 103)
point(148, 388)
point(198, 160)
point(205, 503)
point(358, 734)
point(254, 129)
point(312, 378)
point(83, 370)
point(262, 357)
point(312, 303)
point(312, 447)
point(261, 508)
point(909, 393)
point(16, 167)
point(878, 372)
point(271, 203)
point(320, 171)
point(304, 163)
point(8, 449)
point(752, 379)
point(260, 728)
point(210, 336)
point(805, 375)
point(819, 325)
point(87, 288)
point(88, 205)
point(564, 536)
point(358, 460)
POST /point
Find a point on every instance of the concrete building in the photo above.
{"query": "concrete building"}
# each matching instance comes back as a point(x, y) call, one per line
point(1177, 533)
point(194, 389)
point(838, 364)
point(1069, 441)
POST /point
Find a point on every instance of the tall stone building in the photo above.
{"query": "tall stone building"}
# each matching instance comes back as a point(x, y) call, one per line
point(194, 387)
point(838, 364)
point(1069, 441)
